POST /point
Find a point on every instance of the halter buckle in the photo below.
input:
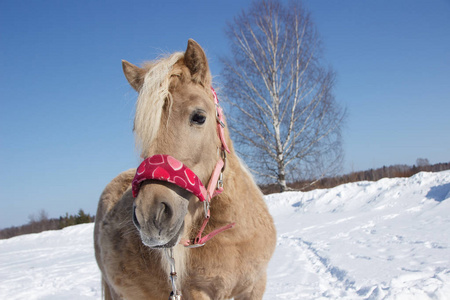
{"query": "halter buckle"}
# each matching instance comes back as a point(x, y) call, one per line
point(206, 207)
point(219, 115)
point(220, 181)
point(220, 121)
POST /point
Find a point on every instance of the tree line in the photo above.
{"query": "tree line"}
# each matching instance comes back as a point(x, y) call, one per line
point(421, 165)
point(41, 222)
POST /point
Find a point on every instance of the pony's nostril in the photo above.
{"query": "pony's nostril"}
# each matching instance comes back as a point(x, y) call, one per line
point(163, 215)
point(135, 220)
point(167, 210)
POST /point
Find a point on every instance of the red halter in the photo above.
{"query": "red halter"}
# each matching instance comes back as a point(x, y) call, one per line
point(166, 168)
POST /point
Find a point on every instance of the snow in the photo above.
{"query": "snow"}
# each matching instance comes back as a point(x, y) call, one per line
point(388, 239)
point(56, 264)
point(366, 240)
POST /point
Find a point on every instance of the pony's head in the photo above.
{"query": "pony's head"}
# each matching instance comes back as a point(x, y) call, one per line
point(176, 116)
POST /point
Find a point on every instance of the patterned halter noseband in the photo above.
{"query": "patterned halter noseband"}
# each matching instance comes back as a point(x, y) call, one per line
point(166, 168)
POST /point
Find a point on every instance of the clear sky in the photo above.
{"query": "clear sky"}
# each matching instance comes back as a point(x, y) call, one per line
point(66, 110)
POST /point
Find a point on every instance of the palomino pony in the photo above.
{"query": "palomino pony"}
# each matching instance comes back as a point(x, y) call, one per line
point(159, 232)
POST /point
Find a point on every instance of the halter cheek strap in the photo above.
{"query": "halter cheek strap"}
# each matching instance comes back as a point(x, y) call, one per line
point(220, 122)
point(166, 168)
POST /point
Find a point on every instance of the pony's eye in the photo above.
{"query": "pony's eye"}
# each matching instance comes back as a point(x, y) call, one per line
point(198, 118)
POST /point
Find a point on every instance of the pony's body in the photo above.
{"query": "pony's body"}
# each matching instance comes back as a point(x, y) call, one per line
point(230, 265)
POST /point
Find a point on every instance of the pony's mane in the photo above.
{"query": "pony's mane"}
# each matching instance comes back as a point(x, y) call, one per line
point(152, 97)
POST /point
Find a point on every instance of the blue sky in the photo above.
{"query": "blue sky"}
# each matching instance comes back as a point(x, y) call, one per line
point(66, 110)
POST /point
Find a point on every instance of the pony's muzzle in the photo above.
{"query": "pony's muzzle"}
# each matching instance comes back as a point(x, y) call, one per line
point(158, 214)
point(159, 217)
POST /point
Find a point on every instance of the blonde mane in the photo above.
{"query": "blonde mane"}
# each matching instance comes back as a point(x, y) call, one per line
point(151, 99)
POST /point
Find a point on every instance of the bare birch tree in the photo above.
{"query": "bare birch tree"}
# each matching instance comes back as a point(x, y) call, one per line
point(284, 116)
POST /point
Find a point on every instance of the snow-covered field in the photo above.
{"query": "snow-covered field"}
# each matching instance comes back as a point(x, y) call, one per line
point(368, 240)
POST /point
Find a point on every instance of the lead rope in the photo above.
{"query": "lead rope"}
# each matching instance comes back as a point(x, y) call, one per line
point(175, 294)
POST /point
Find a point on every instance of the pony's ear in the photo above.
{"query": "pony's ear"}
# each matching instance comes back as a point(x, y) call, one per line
point(134, 75)
point(195, 60)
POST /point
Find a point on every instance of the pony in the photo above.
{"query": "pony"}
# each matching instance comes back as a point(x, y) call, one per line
point(149, 230)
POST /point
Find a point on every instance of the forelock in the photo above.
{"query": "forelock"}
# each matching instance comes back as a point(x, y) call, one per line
point(152, 97)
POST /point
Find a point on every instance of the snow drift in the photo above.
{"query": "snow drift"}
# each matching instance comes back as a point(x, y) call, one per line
point(388, 239)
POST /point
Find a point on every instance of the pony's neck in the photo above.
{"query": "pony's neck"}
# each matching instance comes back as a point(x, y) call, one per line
point(238, 197)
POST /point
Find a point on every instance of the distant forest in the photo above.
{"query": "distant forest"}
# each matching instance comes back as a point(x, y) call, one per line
point(41, 222)
point(422, 165)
